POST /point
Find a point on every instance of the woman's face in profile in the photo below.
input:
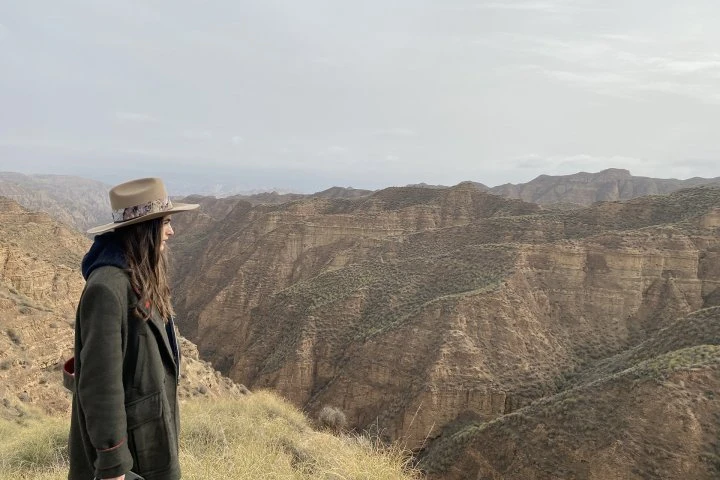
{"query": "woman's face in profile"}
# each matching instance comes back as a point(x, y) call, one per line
point(167, 232)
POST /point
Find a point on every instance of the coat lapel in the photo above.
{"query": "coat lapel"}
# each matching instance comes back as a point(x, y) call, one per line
point(157, 325)
point(160, 332)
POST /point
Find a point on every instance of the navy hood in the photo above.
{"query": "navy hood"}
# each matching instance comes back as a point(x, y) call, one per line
point(105, 250)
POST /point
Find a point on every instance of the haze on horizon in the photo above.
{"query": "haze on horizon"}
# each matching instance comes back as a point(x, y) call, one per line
point(306, 95)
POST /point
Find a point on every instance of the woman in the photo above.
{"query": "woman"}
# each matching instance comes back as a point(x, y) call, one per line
point(126, 370)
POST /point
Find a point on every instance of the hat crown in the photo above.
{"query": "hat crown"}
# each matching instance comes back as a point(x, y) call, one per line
point(138, 201)
point(137, 192)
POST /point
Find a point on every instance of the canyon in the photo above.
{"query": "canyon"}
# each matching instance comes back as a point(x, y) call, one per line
point(495, 338)
point(416, 309)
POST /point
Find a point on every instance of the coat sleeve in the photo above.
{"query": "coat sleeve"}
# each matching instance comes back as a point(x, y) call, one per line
point(100, 381)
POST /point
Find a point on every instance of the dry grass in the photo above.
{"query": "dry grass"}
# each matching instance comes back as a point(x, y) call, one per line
point(258, 436)
point(33, 446)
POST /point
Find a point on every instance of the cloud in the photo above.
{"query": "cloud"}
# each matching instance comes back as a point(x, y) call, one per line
point(237, 140)
point(567, 51)
point(325, 60)
point(625, 38)
point(552, 7)
point(39, 142)
point(681, 66)
point(589, 78)
point(336, 150)
point(522, 5)
point(198, 134)
point(616, 68)
point(135, 117)
point(631, 85)
point(399, 132)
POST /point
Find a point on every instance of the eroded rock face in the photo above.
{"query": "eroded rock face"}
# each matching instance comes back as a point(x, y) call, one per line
point(410, 312)
point(40, 285)
point(648, 412)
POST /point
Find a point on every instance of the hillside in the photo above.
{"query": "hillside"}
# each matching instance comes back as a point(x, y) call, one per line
point(77, 202)
point(40, 284)
point(651, 414)
point(413, 309)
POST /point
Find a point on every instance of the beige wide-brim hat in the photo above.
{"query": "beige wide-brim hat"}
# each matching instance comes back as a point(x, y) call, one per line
point(139, 201)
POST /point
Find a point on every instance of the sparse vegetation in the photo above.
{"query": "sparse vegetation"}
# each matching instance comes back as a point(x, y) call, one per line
point(33, 446)
point(332, 418)
point(590, 412)
point(392, 294)
point(14, 336)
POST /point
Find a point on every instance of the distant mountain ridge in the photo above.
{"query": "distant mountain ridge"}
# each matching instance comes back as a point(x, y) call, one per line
point(585, 188)
point(83, 203)
point(274, 198)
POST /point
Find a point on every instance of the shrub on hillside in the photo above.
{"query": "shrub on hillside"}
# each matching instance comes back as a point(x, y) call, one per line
point(332, 418)
point(14, 336)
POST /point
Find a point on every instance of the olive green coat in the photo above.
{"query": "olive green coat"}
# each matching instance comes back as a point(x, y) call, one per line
point(124, 408)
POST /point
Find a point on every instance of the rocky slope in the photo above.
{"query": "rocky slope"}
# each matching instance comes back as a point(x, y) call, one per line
point(649, 413)
point(413, 309)
point(40, 284)
point(77, 202)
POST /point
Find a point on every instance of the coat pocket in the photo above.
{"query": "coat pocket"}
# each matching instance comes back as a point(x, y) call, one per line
point(148, 434)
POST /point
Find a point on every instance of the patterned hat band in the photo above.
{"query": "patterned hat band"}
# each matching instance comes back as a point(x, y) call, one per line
point(156, 206)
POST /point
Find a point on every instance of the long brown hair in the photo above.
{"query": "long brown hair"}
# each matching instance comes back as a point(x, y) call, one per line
point(148, 265)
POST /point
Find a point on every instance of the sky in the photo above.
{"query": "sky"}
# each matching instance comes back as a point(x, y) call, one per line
point(304, 95)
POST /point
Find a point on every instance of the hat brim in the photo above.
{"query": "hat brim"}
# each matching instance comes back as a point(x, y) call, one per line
point(177, 207)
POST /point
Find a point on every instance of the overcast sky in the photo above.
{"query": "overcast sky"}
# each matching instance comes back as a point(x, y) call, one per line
point(303, 95)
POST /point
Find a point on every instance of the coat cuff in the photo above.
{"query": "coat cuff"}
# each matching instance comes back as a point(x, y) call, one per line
point(113, 462)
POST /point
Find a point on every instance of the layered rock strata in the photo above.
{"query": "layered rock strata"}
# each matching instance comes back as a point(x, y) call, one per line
point(416, 307)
